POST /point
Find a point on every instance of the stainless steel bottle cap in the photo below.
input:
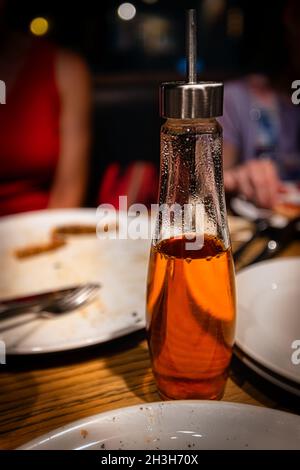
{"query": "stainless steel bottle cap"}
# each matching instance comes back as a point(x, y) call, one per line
point(182, 100)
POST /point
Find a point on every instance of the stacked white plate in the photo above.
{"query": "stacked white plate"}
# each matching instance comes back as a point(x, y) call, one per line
point(268, 325)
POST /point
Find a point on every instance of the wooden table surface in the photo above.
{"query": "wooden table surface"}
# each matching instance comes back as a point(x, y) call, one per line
point(39, 394)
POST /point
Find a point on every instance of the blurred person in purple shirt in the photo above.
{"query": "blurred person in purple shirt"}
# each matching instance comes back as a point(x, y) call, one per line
point(261, 125)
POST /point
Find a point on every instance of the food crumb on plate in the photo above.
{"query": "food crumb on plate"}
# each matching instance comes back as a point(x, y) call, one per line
point(84, 433)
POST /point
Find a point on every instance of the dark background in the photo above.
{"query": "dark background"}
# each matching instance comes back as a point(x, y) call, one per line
point(128, 59)
point(234, 35)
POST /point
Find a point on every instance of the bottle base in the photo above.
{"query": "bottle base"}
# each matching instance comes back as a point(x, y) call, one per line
point(169, 398)
point(178, 389)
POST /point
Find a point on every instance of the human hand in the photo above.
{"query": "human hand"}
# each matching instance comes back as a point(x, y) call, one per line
point(257, 180)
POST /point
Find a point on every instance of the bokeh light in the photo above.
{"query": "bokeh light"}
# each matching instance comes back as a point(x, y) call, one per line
point(39, 26)
point(126, 11)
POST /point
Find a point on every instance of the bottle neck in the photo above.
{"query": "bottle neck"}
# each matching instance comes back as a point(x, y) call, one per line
point(175, 121)
point(204, 125)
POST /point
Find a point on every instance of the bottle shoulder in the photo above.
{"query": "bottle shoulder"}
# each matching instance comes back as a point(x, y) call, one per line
point(191, 126)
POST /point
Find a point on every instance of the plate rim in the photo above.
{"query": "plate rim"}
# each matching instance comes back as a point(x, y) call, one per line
point(252, 354)
point(156, 404)
point(72, 347)
point(266, 374)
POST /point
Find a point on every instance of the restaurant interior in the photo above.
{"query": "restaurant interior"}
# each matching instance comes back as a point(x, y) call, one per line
point(130, 131)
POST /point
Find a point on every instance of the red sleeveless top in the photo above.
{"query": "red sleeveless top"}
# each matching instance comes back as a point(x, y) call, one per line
point(29, 133)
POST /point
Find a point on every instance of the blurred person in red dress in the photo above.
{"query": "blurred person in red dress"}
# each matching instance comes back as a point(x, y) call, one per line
point(44, 125)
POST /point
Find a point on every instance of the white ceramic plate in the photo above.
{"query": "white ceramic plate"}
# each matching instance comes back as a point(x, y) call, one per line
point(240, 229)
point(119, 265)
point(266, 374)
point(178, 425)
point(248, 211)
point(268, 320)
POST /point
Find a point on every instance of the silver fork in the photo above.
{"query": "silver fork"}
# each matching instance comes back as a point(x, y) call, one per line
point(62, 302)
